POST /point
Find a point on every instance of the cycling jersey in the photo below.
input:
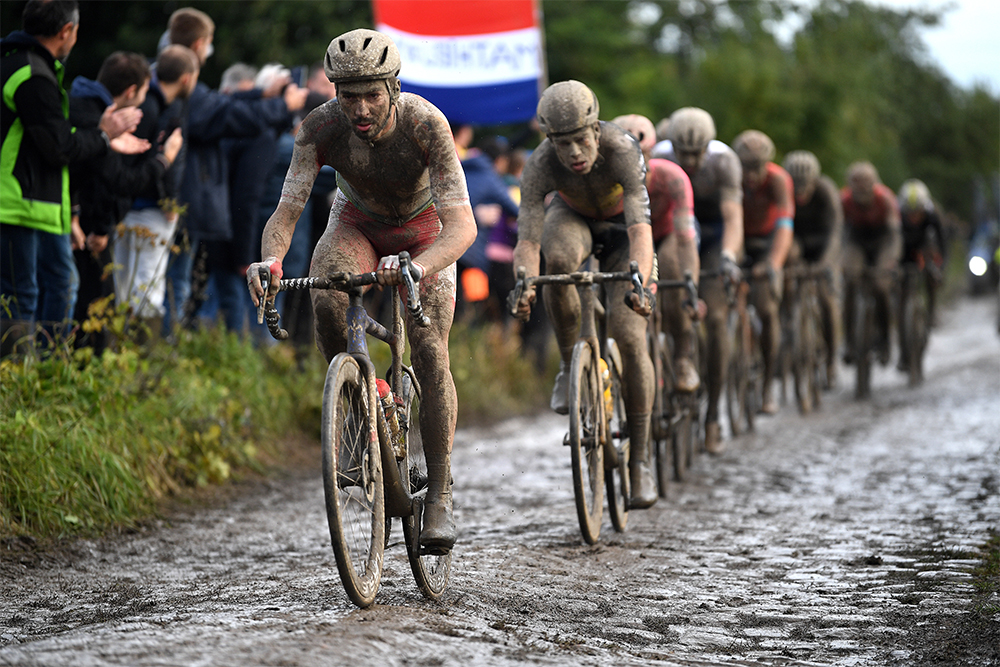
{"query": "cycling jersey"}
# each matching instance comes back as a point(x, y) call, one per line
point(768, 203)
point(818, 221)
point(718, 179)
point(876, 216)
point(917, 236)
point(670, 197)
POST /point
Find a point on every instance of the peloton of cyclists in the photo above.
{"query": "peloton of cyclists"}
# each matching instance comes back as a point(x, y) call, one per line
point(401, 188)
point(818, 226)
point(672, 216)
point(600, 205)
point(716, 179)
point(873, 240)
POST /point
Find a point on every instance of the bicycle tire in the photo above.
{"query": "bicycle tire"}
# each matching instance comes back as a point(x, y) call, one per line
point(430, 571)
point(803, 370)
point(916, 342)
point(616, 478)
point(754, 395)
point(663, 415)
point(819, 351)
point(682, 440)
point(736, 376)
point(352, 480)
point(584, 438)
point(863, 342)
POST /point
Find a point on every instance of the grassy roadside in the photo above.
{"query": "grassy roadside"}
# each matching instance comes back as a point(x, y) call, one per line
point(89, 446)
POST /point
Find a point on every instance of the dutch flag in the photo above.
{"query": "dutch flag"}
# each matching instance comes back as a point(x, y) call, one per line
point(478, 61)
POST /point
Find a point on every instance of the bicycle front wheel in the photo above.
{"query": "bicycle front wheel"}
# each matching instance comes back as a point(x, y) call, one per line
point(430, 571)
point(352, 480)
point(864, 335)
point(914, 321)
point(586, 448)
point(663, 420)
point(617, 477)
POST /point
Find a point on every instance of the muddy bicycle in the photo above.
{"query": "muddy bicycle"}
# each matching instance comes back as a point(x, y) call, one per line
point(745, 375)
point(675, 423)
point(867, 342)
point(914, 319)
point(598, 428)
point(803, 347)
point(373, 463)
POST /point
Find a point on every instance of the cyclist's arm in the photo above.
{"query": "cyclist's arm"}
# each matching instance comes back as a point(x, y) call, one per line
point(833, 219)
point(458, 231)
point(730, 179)
point(784, 210)
point(531, 215)
point(636, 210)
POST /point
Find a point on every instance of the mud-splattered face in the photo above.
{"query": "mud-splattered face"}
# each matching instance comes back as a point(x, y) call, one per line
point(862, 188)
point(754, 174)
point(690, 161)
point(367, 106)
point(577, 151)
point(804, 190)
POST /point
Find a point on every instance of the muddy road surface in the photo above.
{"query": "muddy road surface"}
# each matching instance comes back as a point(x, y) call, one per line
point(848, 537)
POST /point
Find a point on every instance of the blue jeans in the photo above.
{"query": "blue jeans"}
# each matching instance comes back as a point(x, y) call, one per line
point(178, 285)
point(38, 276)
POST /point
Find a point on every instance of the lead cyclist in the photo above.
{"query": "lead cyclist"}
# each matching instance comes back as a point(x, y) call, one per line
point(401, 187)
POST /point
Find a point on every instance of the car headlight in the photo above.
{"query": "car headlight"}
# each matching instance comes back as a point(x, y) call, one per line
point(977, 265)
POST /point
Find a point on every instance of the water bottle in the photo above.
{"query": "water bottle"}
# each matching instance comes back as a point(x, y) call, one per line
point(606, 380)
point(388, 402)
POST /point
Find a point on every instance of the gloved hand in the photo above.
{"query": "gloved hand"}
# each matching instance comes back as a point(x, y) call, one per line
point(388, 271)
point(730, 269)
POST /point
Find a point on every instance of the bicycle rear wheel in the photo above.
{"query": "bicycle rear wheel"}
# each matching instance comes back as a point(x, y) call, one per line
point(663, 422)
point(738, 373)
point(352, 480)
point(584, 439)
point(430, 571)
point(803, 366)
point(915, 319)
point(864, 333)
point(616, 478)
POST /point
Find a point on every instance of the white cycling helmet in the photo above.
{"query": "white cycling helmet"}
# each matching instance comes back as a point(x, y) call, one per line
point(914, 196)
point(639, 127)
point(690, 129)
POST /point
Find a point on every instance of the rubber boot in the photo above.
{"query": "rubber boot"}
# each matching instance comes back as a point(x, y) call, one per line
point(643, 484)
point(438, 533)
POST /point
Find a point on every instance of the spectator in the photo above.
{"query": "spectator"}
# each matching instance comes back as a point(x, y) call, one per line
point(141, 252)
point(104, 187)
point(212, 117)
point(38, 279)
point(491, 203)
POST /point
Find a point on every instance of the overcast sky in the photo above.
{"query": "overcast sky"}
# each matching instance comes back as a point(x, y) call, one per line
point(966, 46)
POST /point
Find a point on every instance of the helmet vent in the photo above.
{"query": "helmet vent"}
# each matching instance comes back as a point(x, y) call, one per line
point(385, 54)
point(343, 46)
point(367, 41)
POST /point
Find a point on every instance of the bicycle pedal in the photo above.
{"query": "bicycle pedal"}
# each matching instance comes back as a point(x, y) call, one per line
point(434, 551)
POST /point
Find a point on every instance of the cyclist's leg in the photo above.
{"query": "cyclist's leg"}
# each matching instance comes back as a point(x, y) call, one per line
point(629, 331)
point(439, 403)
point(713, 293)
point(886, 258)
point(827, 296)
point(766, 302)
point(676, 320)
point(342, 247)
point(566, 242)
point(853, 264)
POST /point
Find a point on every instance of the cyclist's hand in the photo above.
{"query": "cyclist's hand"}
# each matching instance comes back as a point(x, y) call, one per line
point(730, 269)
point(388, 271)
point(696, 312)
point(522, 309)
point(273, 266)
point(641, 305)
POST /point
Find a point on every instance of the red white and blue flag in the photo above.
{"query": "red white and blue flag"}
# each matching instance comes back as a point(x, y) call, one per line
point(478, 61)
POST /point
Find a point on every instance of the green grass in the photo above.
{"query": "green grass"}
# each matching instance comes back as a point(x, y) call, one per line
point(90, 445)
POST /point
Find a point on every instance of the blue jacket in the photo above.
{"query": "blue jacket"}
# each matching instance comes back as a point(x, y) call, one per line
point(212, 117)
point(486, 186)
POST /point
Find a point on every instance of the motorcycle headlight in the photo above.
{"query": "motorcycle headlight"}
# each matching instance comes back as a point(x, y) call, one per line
point(977, 265)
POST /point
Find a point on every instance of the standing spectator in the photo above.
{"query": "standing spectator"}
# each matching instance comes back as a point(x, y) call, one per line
point(38, 279)
point(491, 203)
point(141, 252)
point(105, 187)
point(212, 117)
